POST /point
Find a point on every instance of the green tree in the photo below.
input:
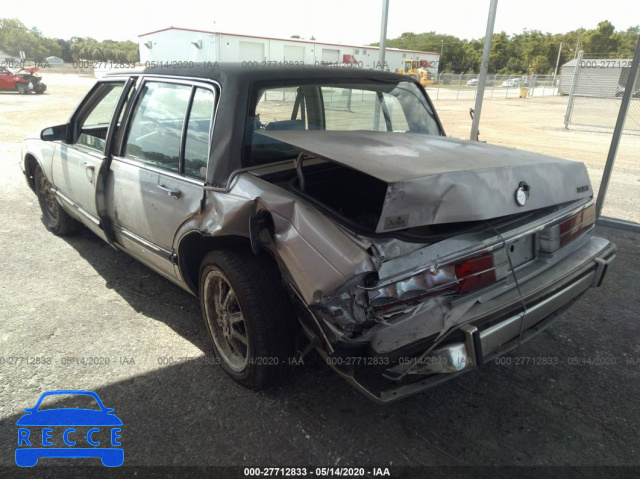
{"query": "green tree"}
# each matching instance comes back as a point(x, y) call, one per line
point(529, 51)
point(601, 43)
point(539, 64)
point(627, 41)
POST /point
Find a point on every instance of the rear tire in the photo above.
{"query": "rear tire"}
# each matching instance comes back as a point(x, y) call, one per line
point(54, 217)
point(249, 316)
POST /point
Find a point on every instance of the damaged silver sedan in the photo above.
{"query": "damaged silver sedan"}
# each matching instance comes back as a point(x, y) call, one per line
point(323, 208)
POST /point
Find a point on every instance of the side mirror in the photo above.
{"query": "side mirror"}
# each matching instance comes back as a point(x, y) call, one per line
point(54, 133)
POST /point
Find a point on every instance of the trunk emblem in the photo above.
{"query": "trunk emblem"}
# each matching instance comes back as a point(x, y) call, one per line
point(396, 222)
point(522, 193)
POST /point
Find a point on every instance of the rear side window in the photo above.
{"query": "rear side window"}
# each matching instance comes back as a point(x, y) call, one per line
point(157, 123)
point(196, 150)
point(171, 128)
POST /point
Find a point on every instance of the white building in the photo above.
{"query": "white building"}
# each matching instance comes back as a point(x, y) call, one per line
point(186, 45)
point(5, 57)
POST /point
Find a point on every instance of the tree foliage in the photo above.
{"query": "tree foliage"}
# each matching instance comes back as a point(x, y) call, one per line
point(531, 51)
point(16, 37)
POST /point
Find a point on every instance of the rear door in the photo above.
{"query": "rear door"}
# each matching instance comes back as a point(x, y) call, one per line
point(156, 182)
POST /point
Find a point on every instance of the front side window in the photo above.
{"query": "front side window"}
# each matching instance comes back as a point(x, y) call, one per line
point(93, 124)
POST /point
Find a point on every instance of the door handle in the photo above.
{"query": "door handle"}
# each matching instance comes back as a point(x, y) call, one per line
point(89, 171)
point(171, 191)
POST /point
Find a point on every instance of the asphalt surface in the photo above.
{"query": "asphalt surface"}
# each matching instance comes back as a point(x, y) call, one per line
point(65, 299)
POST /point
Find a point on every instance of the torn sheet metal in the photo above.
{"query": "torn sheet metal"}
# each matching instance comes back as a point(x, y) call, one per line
point(425, 320)
point(314, 253)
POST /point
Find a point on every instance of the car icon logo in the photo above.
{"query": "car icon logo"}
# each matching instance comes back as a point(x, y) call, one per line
point(69, 432)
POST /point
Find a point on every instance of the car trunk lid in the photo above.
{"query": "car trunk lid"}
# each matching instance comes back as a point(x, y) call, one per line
point(434, 180)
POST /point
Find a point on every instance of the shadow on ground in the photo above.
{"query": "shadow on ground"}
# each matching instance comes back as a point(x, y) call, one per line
point(530, 414)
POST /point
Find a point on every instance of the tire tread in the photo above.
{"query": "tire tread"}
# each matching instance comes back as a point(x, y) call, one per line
point(256, 281)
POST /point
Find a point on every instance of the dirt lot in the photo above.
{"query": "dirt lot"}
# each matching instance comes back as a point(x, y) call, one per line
point(76, 314)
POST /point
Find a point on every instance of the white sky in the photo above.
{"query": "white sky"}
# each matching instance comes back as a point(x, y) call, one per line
point(339, 21)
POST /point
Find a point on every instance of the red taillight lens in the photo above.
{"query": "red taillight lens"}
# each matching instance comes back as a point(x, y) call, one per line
point(574, 226)
point(554, 237)
point(475, 273)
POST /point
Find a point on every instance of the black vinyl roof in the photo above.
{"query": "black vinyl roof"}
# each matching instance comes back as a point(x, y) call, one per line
point(253, 71)
point(237, 81)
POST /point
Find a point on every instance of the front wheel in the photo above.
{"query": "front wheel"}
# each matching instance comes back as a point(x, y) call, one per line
point(22, 88)
point(54, 217)
point(248, 315)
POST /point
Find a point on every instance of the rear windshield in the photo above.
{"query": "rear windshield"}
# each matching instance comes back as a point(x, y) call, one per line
point(384, 107)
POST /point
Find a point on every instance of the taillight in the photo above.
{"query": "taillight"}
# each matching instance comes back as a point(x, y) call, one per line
point(460, 277)
point(555, 237)
point(574, 226)
point(475, 273)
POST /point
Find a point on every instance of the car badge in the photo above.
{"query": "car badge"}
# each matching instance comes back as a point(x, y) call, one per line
point(522, 193)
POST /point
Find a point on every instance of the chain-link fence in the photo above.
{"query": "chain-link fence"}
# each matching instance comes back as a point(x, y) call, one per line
point(464, 86)
point(596, 93)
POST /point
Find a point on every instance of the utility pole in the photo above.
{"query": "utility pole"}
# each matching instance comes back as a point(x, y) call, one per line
point(383, 33)
point(488, 39)
point(440, 62)
point(557, 63)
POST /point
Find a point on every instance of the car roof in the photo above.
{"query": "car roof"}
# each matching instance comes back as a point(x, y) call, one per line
point(253, 71)
point(237, 82)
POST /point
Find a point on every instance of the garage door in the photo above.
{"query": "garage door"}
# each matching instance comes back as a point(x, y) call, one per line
point(251, 52)
point(330, 56)
point(293, 53)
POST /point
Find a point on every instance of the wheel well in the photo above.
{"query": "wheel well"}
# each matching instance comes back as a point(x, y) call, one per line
point(30, 165)
point(193, 248)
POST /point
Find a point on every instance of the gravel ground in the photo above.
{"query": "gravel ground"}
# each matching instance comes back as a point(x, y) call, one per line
point(78, 298)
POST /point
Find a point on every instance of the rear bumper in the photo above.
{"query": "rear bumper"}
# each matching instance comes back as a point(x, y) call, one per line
point(491, 328)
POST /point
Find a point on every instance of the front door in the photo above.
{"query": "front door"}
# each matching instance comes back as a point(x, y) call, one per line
point(157, 181)
point(76, 164)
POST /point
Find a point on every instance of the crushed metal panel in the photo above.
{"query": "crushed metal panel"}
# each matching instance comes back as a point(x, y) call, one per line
point(435, 180)
point(481, 194)
point(313, 252)
point(425, 320)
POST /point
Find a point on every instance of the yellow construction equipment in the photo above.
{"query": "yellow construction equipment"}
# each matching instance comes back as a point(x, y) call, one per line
point(418, 70)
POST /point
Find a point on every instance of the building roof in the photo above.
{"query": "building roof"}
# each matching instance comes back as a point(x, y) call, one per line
point(296, 40)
